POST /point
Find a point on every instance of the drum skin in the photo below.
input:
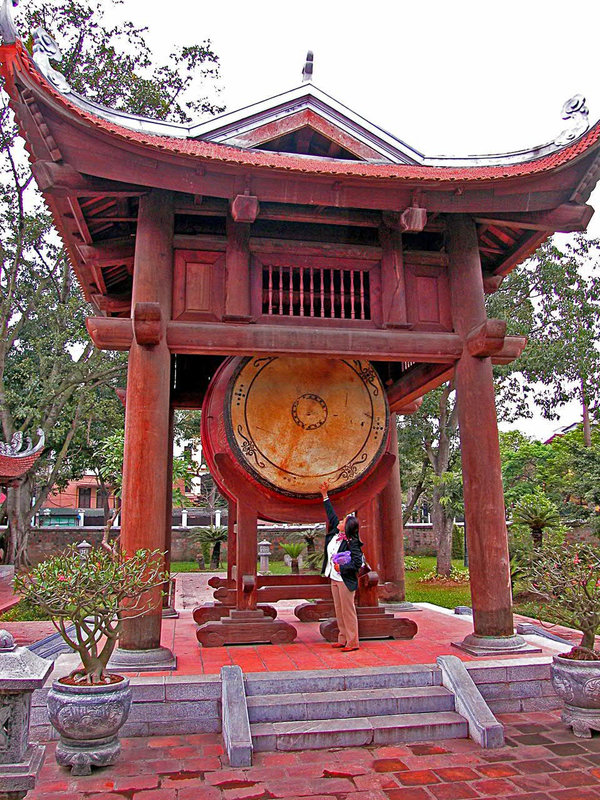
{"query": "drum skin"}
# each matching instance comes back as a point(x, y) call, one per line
point(274, 428)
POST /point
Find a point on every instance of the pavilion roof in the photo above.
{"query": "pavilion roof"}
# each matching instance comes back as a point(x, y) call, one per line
point(14, 462)
point(75, 145)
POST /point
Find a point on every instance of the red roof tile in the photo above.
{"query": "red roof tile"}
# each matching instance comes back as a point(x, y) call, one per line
point(226, 154)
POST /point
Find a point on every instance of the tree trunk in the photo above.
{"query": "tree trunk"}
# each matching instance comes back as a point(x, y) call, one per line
point(295, 567)
point(537, 534)
point(18, 512)
point(215, 558)
point(442, 531)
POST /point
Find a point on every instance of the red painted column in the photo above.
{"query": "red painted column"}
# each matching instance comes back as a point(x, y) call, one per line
point(247, 555)
point(483, 493)
point(392, 529)
point(231, 540)
point(146, 470)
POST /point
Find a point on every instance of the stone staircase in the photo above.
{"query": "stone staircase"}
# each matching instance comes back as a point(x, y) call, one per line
point(317, 710)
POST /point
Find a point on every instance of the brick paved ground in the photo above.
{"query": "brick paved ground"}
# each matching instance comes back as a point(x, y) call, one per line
point(541, 761)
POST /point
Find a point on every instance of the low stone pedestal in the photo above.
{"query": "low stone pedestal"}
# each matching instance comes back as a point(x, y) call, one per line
point(245, 627)
point(21, 671)
point(476, 645)
point(373, 623)
point(155, 660)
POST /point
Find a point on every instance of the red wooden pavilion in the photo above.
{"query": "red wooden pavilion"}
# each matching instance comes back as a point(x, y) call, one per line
point(294, 228)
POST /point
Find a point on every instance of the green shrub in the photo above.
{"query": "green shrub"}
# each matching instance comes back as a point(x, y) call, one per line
point(457, 575)
point(458, 541)
point(411, 564)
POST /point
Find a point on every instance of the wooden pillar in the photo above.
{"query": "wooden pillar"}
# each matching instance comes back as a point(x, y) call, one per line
point(392, 530)
point(169, 610)
point(370, 533)
point(247, 555)
point(483, 493)
point(393, 290)
point(147, 414)
point(237, 265)
point(231, 540)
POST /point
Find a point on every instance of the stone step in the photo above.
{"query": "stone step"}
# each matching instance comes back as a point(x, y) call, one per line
point(351, 703)
point(358, 731)
point(392, 677)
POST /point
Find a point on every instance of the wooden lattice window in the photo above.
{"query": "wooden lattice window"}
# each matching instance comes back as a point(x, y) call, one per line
point(316, 291)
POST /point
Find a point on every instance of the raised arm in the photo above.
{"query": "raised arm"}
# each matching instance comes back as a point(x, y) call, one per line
point(332, 517)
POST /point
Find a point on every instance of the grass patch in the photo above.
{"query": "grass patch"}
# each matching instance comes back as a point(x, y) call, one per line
point(439, 595)
point(24, 612)
point(275, 568)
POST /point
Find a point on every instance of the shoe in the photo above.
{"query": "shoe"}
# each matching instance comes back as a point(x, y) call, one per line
point(348, 649)
point(337, 644)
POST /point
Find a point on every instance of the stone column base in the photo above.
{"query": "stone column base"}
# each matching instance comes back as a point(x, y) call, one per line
point(157, 659)
point(16, 780)
point(476, 645)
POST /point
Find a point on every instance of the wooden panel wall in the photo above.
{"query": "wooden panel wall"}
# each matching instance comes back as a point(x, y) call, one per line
point(428, 297)
point(199, 285)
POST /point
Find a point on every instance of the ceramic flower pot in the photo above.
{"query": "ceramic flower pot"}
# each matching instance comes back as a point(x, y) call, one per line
point(88, 719)
point(577, 683)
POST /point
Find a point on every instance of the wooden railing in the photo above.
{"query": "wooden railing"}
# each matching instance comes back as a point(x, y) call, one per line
point(313, 291)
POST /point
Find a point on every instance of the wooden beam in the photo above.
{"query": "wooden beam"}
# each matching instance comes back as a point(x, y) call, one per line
point(487, 339)
point(416, 382)
point(109, 251)
point(64, 179)
point(567, 218)
point(82, 227)
point(221, 338)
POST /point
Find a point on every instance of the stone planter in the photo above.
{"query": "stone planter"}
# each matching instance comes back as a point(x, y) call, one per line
point(88, 719)
point(577, 683)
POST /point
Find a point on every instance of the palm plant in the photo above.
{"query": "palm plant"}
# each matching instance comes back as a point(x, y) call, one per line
point(213, 536)
point(538, 513)
point(293, 550)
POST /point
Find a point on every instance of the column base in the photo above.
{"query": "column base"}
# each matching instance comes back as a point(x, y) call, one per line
point(169, 612)
point(158, 659)
point(17, 779)
point(476, 645)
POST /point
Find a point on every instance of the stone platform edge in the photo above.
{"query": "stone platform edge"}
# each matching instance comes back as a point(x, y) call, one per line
point(182, 704)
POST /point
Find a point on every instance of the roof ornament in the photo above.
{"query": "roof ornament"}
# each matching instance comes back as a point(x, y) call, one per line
point(13, 448)
point(576, 113)
point(8, 30)
point(307, 71)
point(44, 49)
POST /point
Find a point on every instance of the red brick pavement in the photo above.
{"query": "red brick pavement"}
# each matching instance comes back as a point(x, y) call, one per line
point(541, 761)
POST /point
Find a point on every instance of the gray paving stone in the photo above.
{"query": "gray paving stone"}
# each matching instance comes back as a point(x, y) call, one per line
point(147, 688)
point(192, 687)
point(510, 691)
point(418, 727)
point(320, 734)
point(162, 712)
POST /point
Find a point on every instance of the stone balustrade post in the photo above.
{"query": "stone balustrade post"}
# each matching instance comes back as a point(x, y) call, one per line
point(21, 671)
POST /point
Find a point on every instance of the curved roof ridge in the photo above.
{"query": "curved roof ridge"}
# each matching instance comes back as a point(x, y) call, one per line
point(545, 158)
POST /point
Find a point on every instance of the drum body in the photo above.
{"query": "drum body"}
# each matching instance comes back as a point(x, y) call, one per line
point(274, 428)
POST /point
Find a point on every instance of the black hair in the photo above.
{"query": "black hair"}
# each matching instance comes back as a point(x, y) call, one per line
point(351, 528)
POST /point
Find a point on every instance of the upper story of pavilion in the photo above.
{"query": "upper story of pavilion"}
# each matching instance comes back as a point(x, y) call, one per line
point(292, 214)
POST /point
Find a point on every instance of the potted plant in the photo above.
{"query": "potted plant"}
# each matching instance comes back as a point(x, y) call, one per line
point(94, 590)
point(566, 579)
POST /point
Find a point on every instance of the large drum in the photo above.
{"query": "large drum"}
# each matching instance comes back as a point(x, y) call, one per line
point(274, 428)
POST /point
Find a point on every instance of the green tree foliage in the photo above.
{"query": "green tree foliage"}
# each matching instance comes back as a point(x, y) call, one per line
point(428, 450)
point(554, 300)
point(51, 376)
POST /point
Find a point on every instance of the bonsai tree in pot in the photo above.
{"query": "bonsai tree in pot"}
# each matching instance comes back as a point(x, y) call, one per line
point(94, 591)
point(566, 579)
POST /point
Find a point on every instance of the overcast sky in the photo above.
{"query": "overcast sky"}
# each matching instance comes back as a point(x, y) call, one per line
point(458, 77)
